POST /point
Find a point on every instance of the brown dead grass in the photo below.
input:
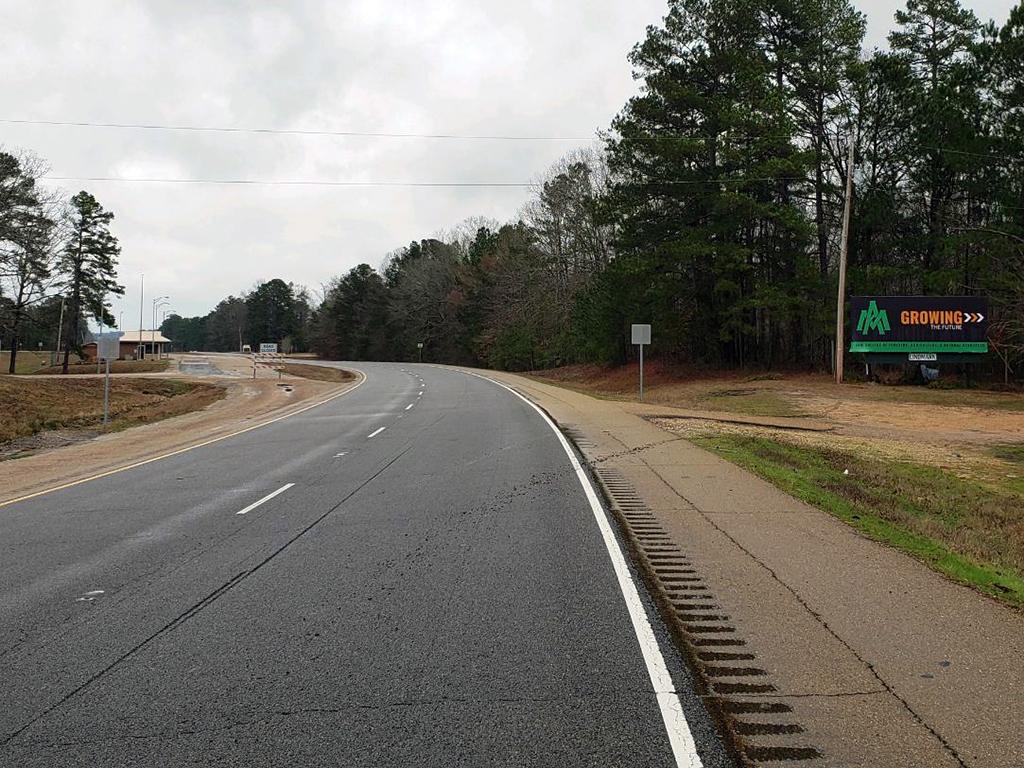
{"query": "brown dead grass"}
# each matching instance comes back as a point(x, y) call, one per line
point(967, 432)
point(947, 416)
point(27, 361)
point(30, 406)
point(116, 366)
point(316, 372)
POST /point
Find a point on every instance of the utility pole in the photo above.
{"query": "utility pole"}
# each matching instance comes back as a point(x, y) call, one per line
point(843, 248)
point(60, 328)
point(98, 364)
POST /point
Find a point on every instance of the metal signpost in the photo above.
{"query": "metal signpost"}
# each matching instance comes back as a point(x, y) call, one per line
point(108, 345)
point(641, 336)
point(419, 346)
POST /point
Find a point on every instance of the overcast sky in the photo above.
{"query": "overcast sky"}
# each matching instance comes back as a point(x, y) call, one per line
point(529, 67)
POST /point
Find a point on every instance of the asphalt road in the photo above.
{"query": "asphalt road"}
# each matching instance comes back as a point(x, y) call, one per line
point(428, 587)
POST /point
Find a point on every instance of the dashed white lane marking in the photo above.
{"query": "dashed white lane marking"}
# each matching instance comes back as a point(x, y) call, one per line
point(265, 499)
point(187, 448)
point(410, 405)
point(376, 432)
point(88, 597)
point(684, 748)
point(339, 455)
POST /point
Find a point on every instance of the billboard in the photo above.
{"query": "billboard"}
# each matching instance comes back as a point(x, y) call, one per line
point(919, 324)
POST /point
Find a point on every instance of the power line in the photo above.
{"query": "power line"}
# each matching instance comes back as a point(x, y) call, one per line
point(975, 154)
point(294, 131)
point(448, 136)
point(294, 182)
point(372, 134)
point(331, 183)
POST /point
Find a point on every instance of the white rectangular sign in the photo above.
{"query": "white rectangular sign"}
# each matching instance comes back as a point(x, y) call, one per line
point(108, 345)
point(922, 357)
point(641, 334)
point(268, 348)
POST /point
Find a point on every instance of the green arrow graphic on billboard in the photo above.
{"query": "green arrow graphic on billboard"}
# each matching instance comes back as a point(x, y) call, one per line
point(873, 319)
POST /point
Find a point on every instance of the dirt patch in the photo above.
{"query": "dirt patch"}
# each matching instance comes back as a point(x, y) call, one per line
point(937, 417)
point(44, 441)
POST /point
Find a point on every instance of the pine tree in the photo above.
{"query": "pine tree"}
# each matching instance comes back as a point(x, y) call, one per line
point(703, 168)
point(89, 267)
point(935, 43)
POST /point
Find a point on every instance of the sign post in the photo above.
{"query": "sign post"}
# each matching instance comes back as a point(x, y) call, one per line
point(641, 335)
point(108, 345)
point(419, 346)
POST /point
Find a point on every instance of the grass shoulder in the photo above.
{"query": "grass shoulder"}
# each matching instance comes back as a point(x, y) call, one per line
point(970, 532)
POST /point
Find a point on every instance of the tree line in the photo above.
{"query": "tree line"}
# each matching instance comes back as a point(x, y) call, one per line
point(710, 208)
point(273, 311)
point(58, 262)
point(713, 207)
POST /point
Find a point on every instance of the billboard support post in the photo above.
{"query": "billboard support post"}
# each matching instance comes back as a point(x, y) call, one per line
point(641, 335)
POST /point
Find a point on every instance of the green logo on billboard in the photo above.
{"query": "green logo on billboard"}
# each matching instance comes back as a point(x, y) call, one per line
point(873, 319)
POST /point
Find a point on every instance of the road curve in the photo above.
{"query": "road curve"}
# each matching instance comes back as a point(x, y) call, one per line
point(410, 574)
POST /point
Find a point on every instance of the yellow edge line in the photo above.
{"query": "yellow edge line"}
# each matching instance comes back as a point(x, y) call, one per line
point(114, 471)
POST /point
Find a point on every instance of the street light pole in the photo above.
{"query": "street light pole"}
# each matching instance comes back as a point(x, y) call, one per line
point(142, 306)
point(167, 312)
point(157, 302)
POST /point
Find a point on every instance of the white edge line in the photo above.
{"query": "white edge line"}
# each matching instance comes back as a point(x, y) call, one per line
point(684, 748)
point(375, 432)
point(187, 448)
point(266, 498)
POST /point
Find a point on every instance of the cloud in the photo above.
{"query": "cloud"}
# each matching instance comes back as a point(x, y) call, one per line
point(450, 66)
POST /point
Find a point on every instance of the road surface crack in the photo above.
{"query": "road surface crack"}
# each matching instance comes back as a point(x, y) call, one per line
point(269, 717)
point(198, 606)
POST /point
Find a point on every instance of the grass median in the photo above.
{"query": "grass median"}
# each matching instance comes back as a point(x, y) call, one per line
point(316, 372)
point(116, 366)
point(971, 532)
point(31, 406)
